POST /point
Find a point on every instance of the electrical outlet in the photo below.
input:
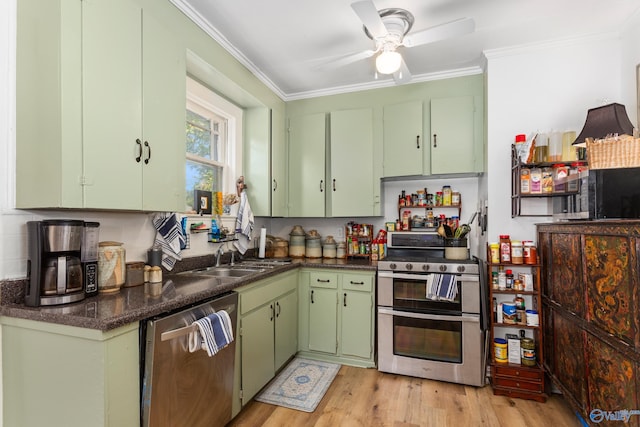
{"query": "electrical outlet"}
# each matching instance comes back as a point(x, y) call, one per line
point(340, 233)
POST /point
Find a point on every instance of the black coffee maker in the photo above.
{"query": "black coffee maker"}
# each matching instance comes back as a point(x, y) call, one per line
point(54, 268)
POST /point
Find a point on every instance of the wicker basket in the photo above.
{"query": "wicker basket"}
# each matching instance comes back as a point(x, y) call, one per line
point(616, 152)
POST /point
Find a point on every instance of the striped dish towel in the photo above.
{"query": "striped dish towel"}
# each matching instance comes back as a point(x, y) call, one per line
point(214, 333)
point(169, 237)
point(244, 224)
point(442, 287)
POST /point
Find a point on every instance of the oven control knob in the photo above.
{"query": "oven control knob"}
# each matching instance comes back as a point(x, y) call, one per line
point(425, 267)
point(392, 266)
point(409, 267)
point(443, 268)
point(461, 269)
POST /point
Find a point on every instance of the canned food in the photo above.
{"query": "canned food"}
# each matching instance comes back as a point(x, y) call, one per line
point(500, 350)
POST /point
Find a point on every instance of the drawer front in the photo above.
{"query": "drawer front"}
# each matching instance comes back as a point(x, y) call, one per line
point(357, 282)
point(516, 373)
point(319, 279)
point(518, 384)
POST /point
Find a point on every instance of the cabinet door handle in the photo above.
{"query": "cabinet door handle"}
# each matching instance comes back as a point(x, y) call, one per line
point(275, 185)
point(146, 144)
point(435, 140)
point(272, 312)
point(344, 301)
point(278, 309)
point(321, 186)
point(334, 184)
point(418, 141)
point(139, 143)
point(322, 280)
point(312, 296)
point(356, 283)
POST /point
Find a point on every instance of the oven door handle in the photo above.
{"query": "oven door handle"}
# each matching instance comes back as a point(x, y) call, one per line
point(473, 318)
point(416, 276)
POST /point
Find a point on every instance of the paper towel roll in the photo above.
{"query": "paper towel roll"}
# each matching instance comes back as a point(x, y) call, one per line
point(263, 242)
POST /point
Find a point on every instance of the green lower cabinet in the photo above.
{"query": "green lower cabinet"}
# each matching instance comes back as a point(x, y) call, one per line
point(323, 320)
point(56, 375)
point(267, 335)
point(337, 316)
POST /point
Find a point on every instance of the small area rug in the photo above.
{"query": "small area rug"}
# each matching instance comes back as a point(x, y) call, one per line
point(300, 385)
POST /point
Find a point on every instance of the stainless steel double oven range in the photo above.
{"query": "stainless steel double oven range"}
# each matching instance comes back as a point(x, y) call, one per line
point(432, 312)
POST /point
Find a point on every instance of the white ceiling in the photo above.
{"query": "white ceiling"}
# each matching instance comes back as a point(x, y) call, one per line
point(290, 44)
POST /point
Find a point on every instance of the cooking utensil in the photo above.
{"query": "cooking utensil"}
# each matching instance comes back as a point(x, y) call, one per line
point(462, 231)
point(441, 231)
point(448, 230)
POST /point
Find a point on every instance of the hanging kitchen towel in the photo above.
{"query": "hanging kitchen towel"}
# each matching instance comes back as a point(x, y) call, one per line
point(244, 224)
point(442, 287)
point(213, 333)
point(169, 237)
point(447, 287)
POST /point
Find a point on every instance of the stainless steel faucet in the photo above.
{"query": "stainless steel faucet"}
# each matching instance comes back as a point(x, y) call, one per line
point(218, 254)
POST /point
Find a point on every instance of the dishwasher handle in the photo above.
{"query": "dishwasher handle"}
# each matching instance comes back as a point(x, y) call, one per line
point(176, 333)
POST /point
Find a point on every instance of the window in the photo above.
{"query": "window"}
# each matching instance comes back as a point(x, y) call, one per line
point(212, 135)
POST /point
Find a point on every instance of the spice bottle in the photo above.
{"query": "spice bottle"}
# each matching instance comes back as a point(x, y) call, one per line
point(505, 249)
point(502, 279)
point(509, 279)
point(517, 256)
point(530, 253)
point(494, 249)
point(446, 195)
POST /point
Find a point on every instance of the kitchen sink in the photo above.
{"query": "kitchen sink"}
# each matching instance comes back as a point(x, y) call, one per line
point(224, 271)
point(230, 271)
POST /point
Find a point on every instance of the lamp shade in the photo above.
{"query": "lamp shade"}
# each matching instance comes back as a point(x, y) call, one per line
point(605, 120)
point(388, 62)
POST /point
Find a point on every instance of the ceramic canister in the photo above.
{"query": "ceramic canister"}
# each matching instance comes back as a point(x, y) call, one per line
point(313, 247)
point(111, 266)
point(297, 239)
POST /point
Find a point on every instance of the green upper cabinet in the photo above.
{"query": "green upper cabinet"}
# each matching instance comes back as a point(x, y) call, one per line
point(306, 181)
point(456, 146)
point(278, 165)
point(351, 189)
point(403, 142)
point(126, 119)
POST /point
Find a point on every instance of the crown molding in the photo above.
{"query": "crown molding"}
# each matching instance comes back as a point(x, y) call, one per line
point(226, 45)
point(549, 44)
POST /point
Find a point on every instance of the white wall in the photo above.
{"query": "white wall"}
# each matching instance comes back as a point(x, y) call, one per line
point(541, 87)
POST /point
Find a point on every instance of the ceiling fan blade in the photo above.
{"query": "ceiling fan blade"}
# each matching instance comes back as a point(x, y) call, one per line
point(369, 16)
point(403, 75)
point(341, 61)
point(440, 32)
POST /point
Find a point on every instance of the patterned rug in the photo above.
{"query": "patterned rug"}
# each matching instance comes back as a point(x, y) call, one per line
point(300, 385)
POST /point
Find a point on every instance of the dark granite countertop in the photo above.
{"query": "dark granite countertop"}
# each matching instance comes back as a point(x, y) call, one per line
point(105, 312)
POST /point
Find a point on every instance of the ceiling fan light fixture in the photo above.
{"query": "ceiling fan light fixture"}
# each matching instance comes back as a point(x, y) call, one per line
point(388, 62)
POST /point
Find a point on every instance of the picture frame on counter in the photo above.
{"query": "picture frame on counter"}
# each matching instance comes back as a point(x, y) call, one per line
point(202, 202)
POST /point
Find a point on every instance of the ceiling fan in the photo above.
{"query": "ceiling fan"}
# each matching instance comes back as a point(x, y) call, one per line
point(389, 29)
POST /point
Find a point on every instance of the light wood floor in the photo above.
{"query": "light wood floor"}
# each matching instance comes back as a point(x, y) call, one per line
point(366, 397)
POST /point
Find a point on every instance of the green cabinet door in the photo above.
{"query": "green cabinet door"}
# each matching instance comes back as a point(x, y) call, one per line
point(403, 142)
point(323, 321)
point(134, 110)
point(306, 181)
point(350, 190)
point(257, 357)
point(356, 327)
point(112, 104)
point(286, 328)
point(164, 106)
point(453, 142)
point(278, 165)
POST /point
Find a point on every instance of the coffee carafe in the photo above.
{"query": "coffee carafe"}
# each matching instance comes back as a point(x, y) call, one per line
point(55, 274)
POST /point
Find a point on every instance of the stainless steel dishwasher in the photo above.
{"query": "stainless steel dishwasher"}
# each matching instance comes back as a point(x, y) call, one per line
point(180, 388)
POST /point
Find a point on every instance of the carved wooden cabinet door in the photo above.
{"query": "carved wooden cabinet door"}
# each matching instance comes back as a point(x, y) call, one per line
point(569, 360)
point(610, 285)
point(612, 382)
point(566, 282)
